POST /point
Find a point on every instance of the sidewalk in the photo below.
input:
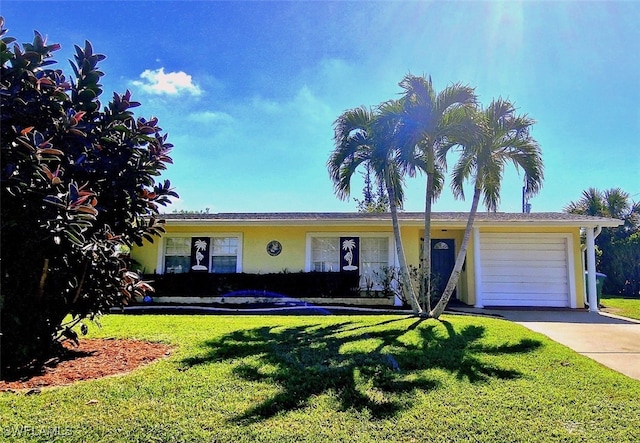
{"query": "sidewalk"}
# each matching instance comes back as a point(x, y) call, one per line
point(610, 340)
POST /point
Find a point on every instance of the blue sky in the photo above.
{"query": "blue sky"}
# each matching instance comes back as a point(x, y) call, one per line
point(248, 91)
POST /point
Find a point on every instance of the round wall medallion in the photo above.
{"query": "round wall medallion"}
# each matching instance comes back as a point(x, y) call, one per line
point(274, 248)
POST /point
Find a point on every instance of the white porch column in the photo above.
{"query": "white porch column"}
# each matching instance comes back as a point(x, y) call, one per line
point(592, 294)
point(477, 271)
point(160, 258)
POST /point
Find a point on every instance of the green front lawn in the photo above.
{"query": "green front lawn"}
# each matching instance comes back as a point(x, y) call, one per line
point(626, 307)
point(336, 378)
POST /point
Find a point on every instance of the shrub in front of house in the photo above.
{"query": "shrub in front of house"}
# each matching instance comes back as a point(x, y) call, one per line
point(290, 284)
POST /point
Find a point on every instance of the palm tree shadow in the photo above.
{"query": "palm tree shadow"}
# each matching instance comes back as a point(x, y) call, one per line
point(363, 368)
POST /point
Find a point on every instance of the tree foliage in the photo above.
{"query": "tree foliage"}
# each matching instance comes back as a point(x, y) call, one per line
point(374, 198)
point(78, 189)
point(619, 248)
point(498, 136)
point(415, 133)
point(429, 119)
point(367, 137)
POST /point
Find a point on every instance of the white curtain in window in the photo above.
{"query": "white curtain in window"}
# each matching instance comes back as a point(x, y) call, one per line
point(325, 254)
point(374, 255)
point(224, 246)
point(177, 255)
point(178, 246)
point(224, 254)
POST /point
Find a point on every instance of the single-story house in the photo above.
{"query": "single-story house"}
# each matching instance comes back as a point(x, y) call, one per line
point(513, 259)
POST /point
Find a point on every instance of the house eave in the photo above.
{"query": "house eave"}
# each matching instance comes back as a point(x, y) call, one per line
point(438, 221)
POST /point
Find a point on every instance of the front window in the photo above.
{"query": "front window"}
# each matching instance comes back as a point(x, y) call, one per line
point(177, 255)
point(374, 256)
point(325, 254)
point(224, 255)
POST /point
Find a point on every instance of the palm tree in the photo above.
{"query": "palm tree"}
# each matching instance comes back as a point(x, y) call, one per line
point(619, 252)
point(363, 136)
point(429, 119)
point(591, 203)
point(499, 137)
point(613, 202)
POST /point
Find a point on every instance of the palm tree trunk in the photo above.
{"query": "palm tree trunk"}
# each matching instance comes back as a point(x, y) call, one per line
point(406, 286)
point(462, 253)
point(425, 280)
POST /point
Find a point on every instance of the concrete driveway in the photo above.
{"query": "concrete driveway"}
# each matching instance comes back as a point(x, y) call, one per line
point(611, 340)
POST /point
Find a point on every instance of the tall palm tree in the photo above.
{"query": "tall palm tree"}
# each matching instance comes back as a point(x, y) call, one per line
point(614, 203)
point(619, 256)
point(500, 137)
point(429, 119)
point(363, 136)
point(591, 203)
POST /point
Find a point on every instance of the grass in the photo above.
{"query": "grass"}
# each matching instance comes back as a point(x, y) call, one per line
point(626, 307)
point(337, 379)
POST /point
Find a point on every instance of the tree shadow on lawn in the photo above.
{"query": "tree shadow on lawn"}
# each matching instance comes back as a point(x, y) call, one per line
point(379, 370)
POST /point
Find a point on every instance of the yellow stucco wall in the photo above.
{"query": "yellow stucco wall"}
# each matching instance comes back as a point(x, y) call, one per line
point(294, 245)
point(254, 242)
point(255, 258)
point(146, 256)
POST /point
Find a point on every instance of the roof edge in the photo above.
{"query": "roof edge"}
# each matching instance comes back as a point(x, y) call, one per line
point(452, 219)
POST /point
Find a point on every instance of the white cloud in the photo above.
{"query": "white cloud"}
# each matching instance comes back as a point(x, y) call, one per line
point(211, 117)
point(170, 83)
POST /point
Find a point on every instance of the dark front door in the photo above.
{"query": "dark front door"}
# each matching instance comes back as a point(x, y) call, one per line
point(443, 257)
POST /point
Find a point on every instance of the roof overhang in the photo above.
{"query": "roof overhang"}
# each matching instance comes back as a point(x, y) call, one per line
point(439, 220)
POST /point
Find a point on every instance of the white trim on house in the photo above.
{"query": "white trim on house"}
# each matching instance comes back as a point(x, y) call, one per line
point(592, 295)
point(571, 272)
point(477, 275)
point(449, 220)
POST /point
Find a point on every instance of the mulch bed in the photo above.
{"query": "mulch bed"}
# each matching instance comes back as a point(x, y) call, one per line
point(91, 359)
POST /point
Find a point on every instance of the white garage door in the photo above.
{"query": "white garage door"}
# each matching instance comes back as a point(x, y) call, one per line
point(525, 270)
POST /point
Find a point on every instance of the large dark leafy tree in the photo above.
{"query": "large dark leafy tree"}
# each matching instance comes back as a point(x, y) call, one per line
point(619, 248)
point(364, 137)
point(497, 137)
point(429, 120)
point(78, 188)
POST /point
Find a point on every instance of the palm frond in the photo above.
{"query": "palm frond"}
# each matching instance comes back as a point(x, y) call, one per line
point(463, 171)
point(617, 202)
point(495, 137)
point(491, 183)
point(438, 182)
point(364, 136)
point(456, 95)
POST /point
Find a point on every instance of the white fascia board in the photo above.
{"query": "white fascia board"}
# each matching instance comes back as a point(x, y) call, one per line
point(281, 222)
point(612, 223)
point(435, 223)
